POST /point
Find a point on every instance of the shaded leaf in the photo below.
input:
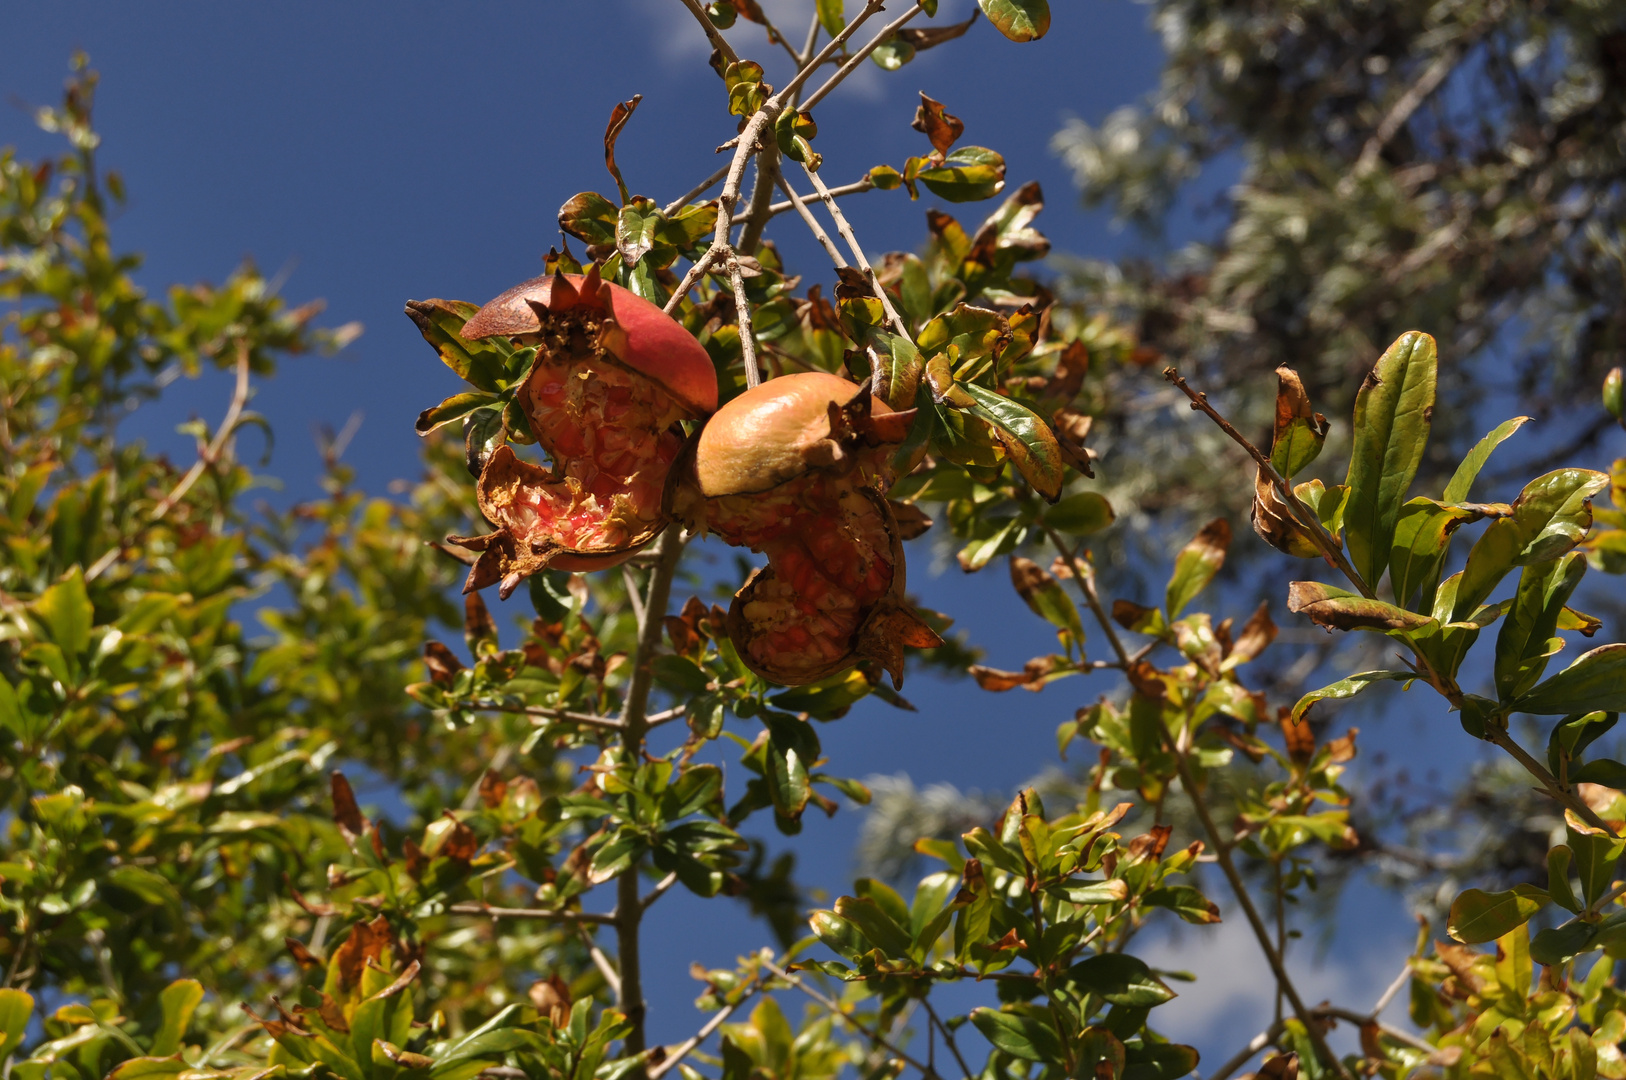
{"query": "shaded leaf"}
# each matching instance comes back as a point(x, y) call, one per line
point(1019, 20)
point(1478, 916)
point(1196, 565)
point(1347, 688)
point(1596, 681)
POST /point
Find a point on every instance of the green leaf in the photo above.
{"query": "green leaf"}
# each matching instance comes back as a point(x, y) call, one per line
point(1045, 597)
point(1347, 688)
point(832, 16)
point(1550, 516)
point(635, 229)
point(1028, 440)
point(1029, 1037)
point(1120, 979)
point(453, 408)
point(16, 1007)
point(969, 174)
point(1079, 515)
point(1019, 20)
point(178, 1001)
point(1597, 680)
point(65, 610)
point(483, 363)
point(1300, 431)
point(591, 218)
point(1478, 916)
point(876, 925)
point(1111, 891)
point(1196, 566)
point(892, 54)
point(1185, 901)
point(792, 750)
point(743, 79)
point(1337, 609)
point(1526, 638)
point(149, 1068)
point(978, 553)
point(1595, 859)
point(1461, 482)
point(1558, 878)
point(1422, 538)
point(840, 935)
point(1393, 413)
point(1556, 944)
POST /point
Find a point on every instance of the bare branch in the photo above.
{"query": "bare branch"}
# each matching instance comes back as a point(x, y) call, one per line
point(544, 914)
point(810, 221)
point(678, 1052)
point(695, 193)
point(695, 273)
point(543, 712)
point(1322, 539)
point(1084, 574)
point(714, 35)
point(611, 977)
point(861, 55)
point(742, 314)
point(1255, 1044)
point(846, 231)
point(658, 891)
point(841, 1014)
point(857, 187)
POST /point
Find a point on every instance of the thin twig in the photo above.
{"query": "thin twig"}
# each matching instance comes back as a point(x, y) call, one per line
point(841, 1013)
point(862, 54)
point(612, 978)
point(1318, 535)
point(209, 455)
point(811, 222)
point(1393, 988)
point(543, 712)
point(1255, 1044)
point(761, 197)
point(812, 39)
point(948, 1036)
point(1393, 1032)
point(857, 187)
point(1222, 852)
point(714, 35)
point(678, 1052)
point(742, 314)
point(857, 250)
point(699, 190)
point(544, 914)
point(1084, 574)
point(1499, 735)
point(634, 598)
point(658, 891)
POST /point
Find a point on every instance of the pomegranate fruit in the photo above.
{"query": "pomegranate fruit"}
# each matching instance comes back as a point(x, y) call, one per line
point(798, 469)
point(612, 377)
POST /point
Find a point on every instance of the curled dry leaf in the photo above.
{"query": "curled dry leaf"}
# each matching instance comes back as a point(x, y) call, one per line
point(346, 814)
point(1072, 428)
point(1275, 523)
point(938, 125)
point(1298, 735)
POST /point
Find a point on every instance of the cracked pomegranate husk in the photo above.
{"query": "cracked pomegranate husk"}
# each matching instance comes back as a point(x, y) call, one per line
point(612, 377)
point(797, 469)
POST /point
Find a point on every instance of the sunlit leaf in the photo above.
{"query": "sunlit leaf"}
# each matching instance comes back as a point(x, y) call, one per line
point(1478, 916)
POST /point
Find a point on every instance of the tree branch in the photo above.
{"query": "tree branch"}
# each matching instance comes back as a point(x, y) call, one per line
point(810, 221)
point(1222, 854)
point(857, 187)
point(714, 35)
point(846, 231)
point(851, 1021)
point(544, 914)
point(695, 193)
point(861, 55)
point(1329, 548)
point(678, 1052)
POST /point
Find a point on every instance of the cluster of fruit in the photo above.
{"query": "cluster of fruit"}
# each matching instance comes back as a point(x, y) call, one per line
point(796, 469)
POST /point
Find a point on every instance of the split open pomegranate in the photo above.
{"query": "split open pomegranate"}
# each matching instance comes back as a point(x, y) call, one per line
point(613, 375)
point(798, 469)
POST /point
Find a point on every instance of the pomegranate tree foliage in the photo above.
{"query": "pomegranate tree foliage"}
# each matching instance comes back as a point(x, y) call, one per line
point(188, 883)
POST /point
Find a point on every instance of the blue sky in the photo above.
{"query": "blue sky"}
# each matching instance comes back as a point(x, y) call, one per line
point(378, 152)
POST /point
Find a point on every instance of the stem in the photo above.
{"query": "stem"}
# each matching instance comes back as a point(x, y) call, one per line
point(948, 1036)
point(742, 315)
point(810, 221)
point(1084, 574)
point(1281, 930)
point(857, 187)
point(629, 909)
point(714, 35)
point(842, 1014)
point(695, 193)
point(858, 57)
point(1330, 548)
point(761, 193)
point(677, 1053)
point(547, 914)
point(1498, 734)
point(1222, 854)
point(846, 231)
point(1255, 1044)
